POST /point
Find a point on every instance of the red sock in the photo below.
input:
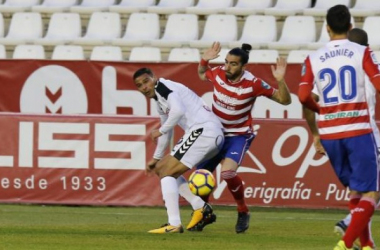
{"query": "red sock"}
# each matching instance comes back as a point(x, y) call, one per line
point(361, 215)
point(235, 185)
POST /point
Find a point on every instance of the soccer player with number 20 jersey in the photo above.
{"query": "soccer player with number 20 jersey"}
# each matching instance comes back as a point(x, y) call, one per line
point(338, 71)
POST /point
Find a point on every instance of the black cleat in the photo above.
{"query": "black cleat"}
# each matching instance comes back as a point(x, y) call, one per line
point(204, 222)
point(242, 223)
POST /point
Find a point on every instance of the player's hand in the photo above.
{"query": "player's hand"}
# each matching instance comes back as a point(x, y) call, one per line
point(280, 69)
point(318, 145)
point(154, 135)
point(213, 52)
point(151, 166)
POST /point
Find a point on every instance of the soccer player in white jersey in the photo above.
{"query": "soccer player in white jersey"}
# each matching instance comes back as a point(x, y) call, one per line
point(338, 70)
point(235, 92)
point(203, 138)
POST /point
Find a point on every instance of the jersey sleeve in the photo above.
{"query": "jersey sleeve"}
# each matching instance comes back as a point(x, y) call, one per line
point(306, 86)
point(307, 76)
point(177, 110)
point(261, 88)
point(371, 68)
point(211, 73)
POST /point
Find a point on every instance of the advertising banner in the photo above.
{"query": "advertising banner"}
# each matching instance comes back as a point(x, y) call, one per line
point(77, 132)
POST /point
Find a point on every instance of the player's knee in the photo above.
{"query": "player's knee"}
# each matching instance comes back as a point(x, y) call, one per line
point(228, 174)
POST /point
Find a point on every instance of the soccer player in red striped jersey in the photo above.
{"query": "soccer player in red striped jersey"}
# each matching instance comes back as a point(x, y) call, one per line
point(338, 71)
point(235, 92)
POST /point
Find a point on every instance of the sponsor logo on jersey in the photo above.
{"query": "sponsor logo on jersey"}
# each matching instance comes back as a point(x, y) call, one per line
point(303, 70)
point(346, 114)
point(265, 85)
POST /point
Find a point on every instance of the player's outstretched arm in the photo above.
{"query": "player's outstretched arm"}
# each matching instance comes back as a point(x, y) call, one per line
point(209, 54)
point(281, 96)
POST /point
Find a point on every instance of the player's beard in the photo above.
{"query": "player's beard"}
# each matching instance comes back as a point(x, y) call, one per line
point(233, 77)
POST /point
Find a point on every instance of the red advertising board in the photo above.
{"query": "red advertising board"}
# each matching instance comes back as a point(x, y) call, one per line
point(77, 132)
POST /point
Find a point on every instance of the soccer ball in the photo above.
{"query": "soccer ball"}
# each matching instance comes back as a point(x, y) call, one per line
point(201, 182)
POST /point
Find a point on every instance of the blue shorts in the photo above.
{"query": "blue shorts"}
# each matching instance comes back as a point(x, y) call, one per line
point(234, 147)
point(355, 161)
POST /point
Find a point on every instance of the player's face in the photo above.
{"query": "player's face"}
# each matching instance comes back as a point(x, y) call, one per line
point(233, 68)
point(145, 84)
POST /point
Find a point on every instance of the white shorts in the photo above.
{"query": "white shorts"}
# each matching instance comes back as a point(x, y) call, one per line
point(198, 145)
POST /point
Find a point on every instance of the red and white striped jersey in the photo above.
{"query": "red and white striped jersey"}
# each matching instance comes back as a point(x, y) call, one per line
point(338, 70)
point(233, 102)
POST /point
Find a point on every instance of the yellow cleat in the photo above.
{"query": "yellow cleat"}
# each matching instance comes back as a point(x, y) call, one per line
point(368, 248)
point(341, 246)
point(167, 228)
point(198, 215)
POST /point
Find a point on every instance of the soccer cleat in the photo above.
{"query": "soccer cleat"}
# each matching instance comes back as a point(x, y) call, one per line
point(341, 246)
point(340, 229)
point(204, 222)
point(204, 213)
point(242, 223)
point(368, 248)
point(167, 228)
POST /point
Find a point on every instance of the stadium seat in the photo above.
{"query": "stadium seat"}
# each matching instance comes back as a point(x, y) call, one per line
point(140, 29)
point(145, 54)
point(371, 26)
point(321, 6)
point(287, 7)
point(298, 56)
point(102, 28)
point(54, 6)
point(2, 27)
point(68, 52)
point(63, 28)
point(364, 8)
point(90, 6)
point(221, 59)
point(26, 51)
point(12, 6)
point(222, 28)
point(106, 53)
point(132, 6)
point(263, 56)
point(166, 7)
point(297, 32)
point(324, 36)
point(24, 28)
point(258, 31)
point(249, 7)
point(179, 30)
point(207, 7)
point(3, 52)
point(184, 55)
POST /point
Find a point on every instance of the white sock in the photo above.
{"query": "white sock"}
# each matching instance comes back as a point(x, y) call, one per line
point(347, 220)
point(195, 201)
point(170, 194)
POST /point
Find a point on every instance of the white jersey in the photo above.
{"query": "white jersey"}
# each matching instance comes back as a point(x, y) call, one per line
point(179, 105)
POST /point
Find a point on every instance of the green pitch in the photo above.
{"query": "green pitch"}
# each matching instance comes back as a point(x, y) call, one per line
point(33, 227)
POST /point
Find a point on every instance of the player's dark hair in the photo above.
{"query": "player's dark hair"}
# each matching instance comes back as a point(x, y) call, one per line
point(242, 52)
point(339, 19)
point(142, 71)
point(358, 36)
